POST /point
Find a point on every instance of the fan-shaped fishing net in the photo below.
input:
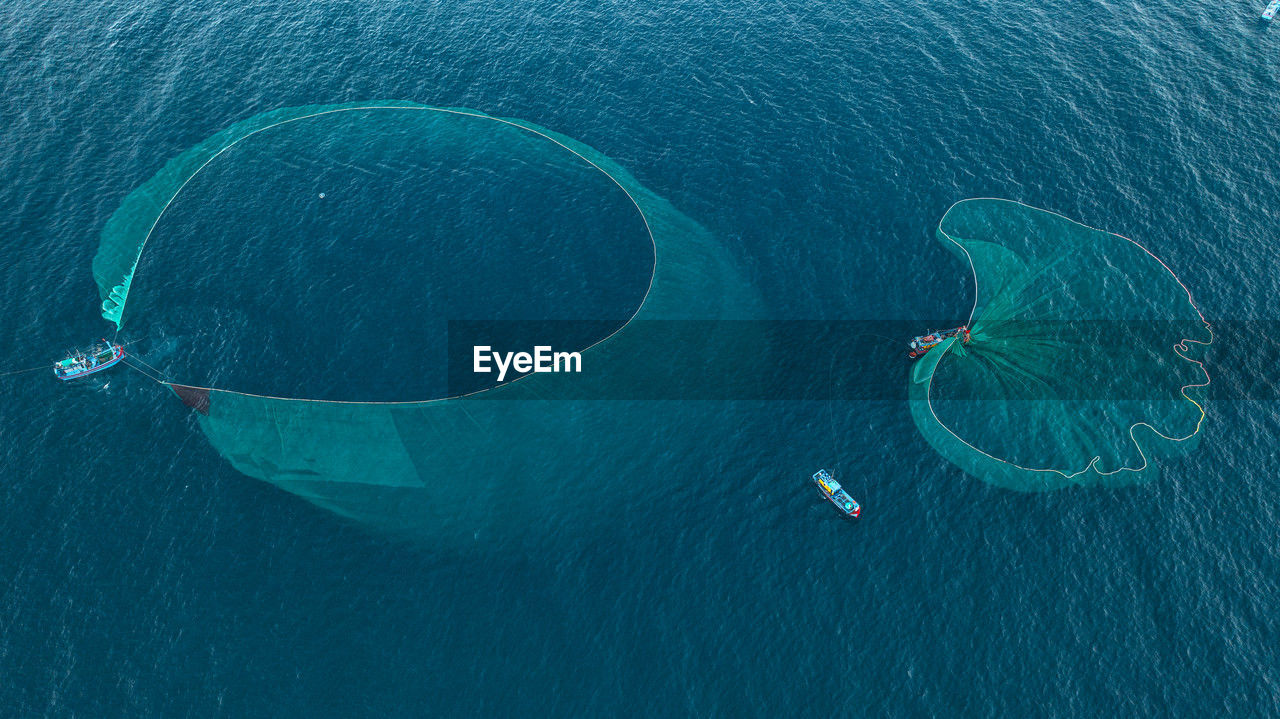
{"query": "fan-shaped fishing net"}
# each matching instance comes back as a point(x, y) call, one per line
point(1081, 367)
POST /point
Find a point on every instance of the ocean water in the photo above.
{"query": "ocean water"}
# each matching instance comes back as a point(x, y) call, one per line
point(820, 142)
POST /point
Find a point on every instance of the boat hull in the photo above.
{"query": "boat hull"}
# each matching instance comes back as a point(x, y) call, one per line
point(919, 346)
point(117, 354)
point(836, 494)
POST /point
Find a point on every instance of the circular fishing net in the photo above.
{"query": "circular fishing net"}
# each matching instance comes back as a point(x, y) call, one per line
point(458, 460)
point(1082, 365)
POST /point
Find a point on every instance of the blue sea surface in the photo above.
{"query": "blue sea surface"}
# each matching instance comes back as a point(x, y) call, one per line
point(142, 576)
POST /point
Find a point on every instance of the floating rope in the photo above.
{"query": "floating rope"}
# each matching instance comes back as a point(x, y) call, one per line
point(1181, 349)
point(24, 371)
point(144, 372)
point(144, 364)
point(113, 307)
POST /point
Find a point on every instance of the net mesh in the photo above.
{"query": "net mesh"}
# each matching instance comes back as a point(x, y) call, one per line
point(1082, 364)
point(455, 461)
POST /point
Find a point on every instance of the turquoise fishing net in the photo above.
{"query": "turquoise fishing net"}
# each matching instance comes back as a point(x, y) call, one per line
point(485, 458)
point(1083, 364)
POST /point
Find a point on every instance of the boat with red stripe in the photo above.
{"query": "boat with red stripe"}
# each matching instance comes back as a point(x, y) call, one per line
point(83, 363)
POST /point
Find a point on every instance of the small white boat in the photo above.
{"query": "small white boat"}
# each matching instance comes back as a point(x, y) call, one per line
point(1271, 10)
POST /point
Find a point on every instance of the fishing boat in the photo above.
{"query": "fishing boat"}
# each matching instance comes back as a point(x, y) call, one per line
point(1272, 9)
point(831, 489)
point(95, 359)
point(926, 342)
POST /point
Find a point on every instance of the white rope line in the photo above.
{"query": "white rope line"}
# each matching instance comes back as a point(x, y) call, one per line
point(1179, 348)
point(24, 371)
point(644, 218)
point(145, 373)
point(144, 364)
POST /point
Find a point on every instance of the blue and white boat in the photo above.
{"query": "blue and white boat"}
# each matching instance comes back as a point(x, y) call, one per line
point(926, 342)
point(96, 359)
point(1271, 10)
point(831, 490)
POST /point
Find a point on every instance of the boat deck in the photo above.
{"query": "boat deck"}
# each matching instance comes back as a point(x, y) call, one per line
point(82, 364)
point(832, 490)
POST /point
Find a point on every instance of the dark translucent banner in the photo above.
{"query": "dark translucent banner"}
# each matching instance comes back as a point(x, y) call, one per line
point(853, 360)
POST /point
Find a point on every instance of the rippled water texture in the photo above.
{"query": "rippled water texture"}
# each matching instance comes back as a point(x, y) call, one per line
point(692, 570)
